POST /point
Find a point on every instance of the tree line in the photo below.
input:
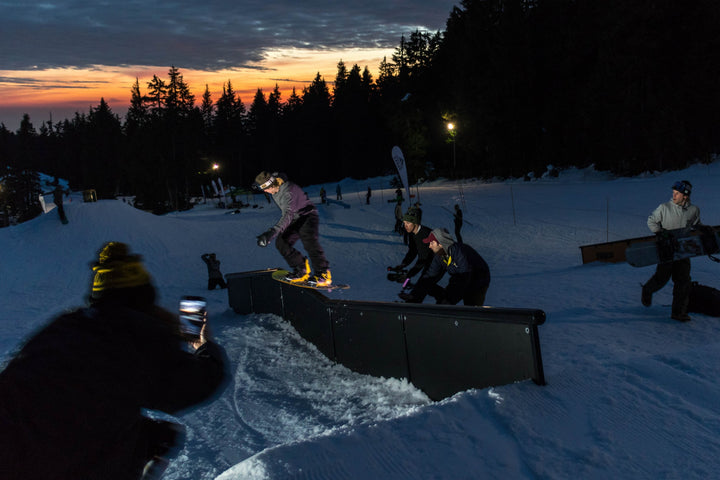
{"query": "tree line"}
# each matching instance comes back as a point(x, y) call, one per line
point(626, 86)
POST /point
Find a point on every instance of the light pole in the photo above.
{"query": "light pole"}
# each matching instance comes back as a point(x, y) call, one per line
point(451, 129)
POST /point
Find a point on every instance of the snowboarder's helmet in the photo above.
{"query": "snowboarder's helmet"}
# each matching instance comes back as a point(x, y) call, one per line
point(683, 186)
point(265, 180)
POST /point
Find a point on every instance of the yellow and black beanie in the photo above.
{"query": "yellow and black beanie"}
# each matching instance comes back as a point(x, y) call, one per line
point(118, 274)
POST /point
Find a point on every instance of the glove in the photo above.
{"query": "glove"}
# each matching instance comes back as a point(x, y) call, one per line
point(264, 238)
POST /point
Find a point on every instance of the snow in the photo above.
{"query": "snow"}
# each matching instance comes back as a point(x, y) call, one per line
point(630, 393)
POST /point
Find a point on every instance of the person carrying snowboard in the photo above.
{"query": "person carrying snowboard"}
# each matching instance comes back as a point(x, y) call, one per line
point(73, 398)
point(469, 273)
point(671, 215)
point(299, 220)
point(215, 277)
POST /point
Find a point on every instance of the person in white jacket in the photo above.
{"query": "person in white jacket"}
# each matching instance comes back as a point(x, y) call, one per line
point(677, 213)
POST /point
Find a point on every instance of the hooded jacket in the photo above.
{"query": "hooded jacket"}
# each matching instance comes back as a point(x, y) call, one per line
point(293, 203)
point(669, 216)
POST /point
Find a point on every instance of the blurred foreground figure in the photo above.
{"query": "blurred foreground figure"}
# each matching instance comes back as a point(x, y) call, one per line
point(72, 398)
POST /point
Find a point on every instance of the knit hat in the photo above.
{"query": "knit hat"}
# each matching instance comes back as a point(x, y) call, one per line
point(441, 236)
point(120, 275)
point(265, 180)
point(411, 216)
point(683, 186)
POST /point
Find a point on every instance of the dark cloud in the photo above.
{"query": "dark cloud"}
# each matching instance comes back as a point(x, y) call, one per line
point(204, 35)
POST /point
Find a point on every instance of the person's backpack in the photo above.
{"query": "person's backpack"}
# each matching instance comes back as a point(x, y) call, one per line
point(704, 299)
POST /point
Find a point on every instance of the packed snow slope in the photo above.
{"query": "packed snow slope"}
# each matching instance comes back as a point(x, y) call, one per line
point(630, 393)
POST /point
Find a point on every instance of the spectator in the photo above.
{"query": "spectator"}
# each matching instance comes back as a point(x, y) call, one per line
point(469, 273)
point(215, 277)
point(73, 398)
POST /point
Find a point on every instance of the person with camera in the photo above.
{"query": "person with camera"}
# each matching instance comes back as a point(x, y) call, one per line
point(215, 276)
point(469, 273)
point(416, 248)
point(73, 397)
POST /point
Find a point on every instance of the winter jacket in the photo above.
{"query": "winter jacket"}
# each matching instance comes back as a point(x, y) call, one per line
point(72, 398)
point(669, 216)
point(213, 266)
point(293, 203)
point(468, 272)
point(416, 248)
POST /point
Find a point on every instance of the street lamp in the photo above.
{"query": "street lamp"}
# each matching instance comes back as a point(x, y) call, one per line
point(451, 129)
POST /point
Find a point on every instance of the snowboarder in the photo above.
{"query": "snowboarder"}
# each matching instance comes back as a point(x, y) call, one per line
point(73, 398)
point(469, 273)
point(676, 213)
point(458, 221)
point(416, 248)
point(299, 220)
point(215, 277)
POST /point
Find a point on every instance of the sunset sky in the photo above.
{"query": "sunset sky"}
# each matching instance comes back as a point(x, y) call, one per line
point(59, 57)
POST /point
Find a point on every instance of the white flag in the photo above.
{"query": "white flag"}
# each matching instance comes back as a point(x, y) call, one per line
point(399, 160)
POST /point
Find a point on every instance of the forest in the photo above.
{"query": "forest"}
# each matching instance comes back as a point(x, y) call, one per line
point(625, 86)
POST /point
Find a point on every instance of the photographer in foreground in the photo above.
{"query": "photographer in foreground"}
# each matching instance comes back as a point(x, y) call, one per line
point(72, 398)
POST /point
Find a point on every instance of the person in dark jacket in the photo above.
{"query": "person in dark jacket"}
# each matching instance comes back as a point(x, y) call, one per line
point(469, 273)
point(215, 277)
point(458, 221)
point(298, 221)
point(58, 193)
point(72, 399)
point(416, 248)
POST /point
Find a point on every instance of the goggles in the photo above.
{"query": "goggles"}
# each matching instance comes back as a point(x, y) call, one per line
point(267, 184)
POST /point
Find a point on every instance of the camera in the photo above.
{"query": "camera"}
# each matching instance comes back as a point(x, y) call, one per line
point(193, 315)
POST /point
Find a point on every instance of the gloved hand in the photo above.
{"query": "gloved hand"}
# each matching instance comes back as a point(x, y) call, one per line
point(264, 238)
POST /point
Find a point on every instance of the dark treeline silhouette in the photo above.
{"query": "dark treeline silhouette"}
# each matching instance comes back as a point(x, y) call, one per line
point(626, 86)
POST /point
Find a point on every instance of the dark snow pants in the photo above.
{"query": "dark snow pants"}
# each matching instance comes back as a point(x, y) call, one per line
point(304, 229)
point(679, 271)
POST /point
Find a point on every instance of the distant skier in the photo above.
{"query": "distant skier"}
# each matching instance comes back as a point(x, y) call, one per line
point(73, 398)
point(215, 277)
point(458, 221)
point(58, 193)
point(677, 213)
point(399, 222)
point(469, 273)
point(299, 221)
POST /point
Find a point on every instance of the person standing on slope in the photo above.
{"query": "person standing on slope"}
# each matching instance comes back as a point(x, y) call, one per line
point(299, 220)
point(677, 213)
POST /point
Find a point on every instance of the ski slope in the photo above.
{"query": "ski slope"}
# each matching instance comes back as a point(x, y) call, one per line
point(630, 394)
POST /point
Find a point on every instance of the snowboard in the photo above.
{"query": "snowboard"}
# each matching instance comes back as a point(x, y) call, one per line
point(672, 245)
point(280, 276)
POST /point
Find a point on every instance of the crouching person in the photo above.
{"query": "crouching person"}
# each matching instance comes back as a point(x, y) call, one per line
point(72, 398)
point(469, 273)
